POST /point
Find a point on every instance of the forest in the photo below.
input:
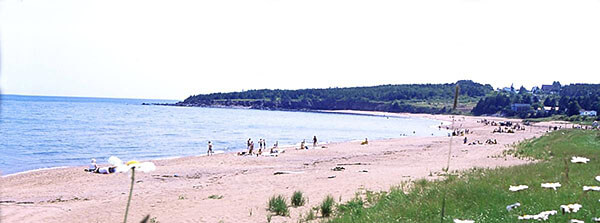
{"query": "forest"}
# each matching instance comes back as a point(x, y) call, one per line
point(414, 98)
point(474, 98)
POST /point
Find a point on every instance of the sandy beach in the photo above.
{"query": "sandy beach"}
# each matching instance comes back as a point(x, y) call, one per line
point(179, 190)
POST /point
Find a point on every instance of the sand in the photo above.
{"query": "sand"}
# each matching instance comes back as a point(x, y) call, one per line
point(179, 190)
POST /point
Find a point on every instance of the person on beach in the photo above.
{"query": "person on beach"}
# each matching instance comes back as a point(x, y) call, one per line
point(366, 142)
point(93, 166)
point(314, 141)
point(106, 170)
point(248, 144)
point(465, 140)
point(260, 146)
point(302, 145)
point(210, 150)
point(275, 146)
point(251, 147)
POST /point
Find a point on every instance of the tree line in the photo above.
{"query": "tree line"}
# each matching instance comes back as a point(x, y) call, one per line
point(392, 98)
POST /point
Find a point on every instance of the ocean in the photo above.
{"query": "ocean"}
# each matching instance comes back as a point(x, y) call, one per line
point(39, 132)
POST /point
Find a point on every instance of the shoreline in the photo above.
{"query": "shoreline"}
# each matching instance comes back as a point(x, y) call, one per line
point(339, 112)
point(180, 188)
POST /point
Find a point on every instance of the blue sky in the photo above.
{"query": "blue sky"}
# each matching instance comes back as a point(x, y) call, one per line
point(173, 49)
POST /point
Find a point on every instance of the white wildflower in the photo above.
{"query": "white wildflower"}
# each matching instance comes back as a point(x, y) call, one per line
point(551, 185)
point(598, 178)
point(570, 208)
point(513, 206)
point(115, 161)
point(577, 159)
point(541, 216)
point(144, 167)
point(576, 221)
point(596, 219)
point(518, 188)
point(125, 167)
point(463, 221)
point(594, 188)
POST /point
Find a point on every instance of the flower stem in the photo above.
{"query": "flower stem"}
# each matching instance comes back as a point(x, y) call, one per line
point(130, 193)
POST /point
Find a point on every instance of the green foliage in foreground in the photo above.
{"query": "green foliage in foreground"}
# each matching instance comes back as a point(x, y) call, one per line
point(482, 194)
point(298, 199)
point(327, 206)
point(278, 205)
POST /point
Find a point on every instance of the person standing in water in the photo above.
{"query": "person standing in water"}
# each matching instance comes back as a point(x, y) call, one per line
point(314, 141)
point(210, 151)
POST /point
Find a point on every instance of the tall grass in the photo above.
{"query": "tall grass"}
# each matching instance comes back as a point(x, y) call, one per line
point(298, 199)
point(482, 194)
point(327, 206)
point(278, 205)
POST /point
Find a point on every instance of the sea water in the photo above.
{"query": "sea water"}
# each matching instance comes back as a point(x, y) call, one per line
point(45, 132)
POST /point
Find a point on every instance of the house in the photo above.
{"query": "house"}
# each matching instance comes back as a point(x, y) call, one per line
point(550, 88)
point(548, 108)
point(587, 113)
point(520, 107)
point(507, 89)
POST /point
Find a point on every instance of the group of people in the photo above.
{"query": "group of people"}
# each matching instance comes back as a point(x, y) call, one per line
point(303, 143)
point(460, 132)
point(262, 146)
point(94, 168)
point(477, 142)
point(503, 130)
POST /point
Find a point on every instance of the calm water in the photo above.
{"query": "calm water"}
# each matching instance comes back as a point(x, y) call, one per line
point(42, 132)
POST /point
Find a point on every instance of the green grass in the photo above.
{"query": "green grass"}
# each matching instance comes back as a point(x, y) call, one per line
point(278, 205)
point(327, 206)
point(482, 194)
point(298, 199)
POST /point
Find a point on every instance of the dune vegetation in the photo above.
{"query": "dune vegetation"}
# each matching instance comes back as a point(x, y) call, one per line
point(483, 195)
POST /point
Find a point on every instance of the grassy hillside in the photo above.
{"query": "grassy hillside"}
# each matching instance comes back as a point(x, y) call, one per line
point(482, 194)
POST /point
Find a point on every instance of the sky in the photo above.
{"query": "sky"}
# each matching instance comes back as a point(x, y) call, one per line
point(174, 49)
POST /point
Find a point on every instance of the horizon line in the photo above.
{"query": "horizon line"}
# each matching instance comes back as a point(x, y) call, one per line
point(78, 96)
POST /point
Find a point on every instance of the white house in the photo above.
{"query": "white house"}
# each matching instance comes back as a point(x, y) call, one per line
point(587, 113)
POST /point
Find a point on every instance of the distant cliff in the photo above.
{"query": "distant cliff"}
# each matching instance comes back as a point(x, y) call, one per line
point(414, 98)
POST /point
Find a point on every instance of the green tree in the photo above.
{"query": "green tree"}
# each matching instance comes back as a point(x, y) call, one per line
point(573, 108)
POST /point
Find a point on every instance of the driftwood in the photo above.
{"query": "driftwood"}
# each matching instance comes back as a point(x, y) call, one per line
point(349, 164)
point(286, 172)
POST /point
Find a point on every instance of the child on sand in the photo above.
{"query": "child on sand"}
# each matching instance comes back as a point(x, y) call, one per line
point(210, 150)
